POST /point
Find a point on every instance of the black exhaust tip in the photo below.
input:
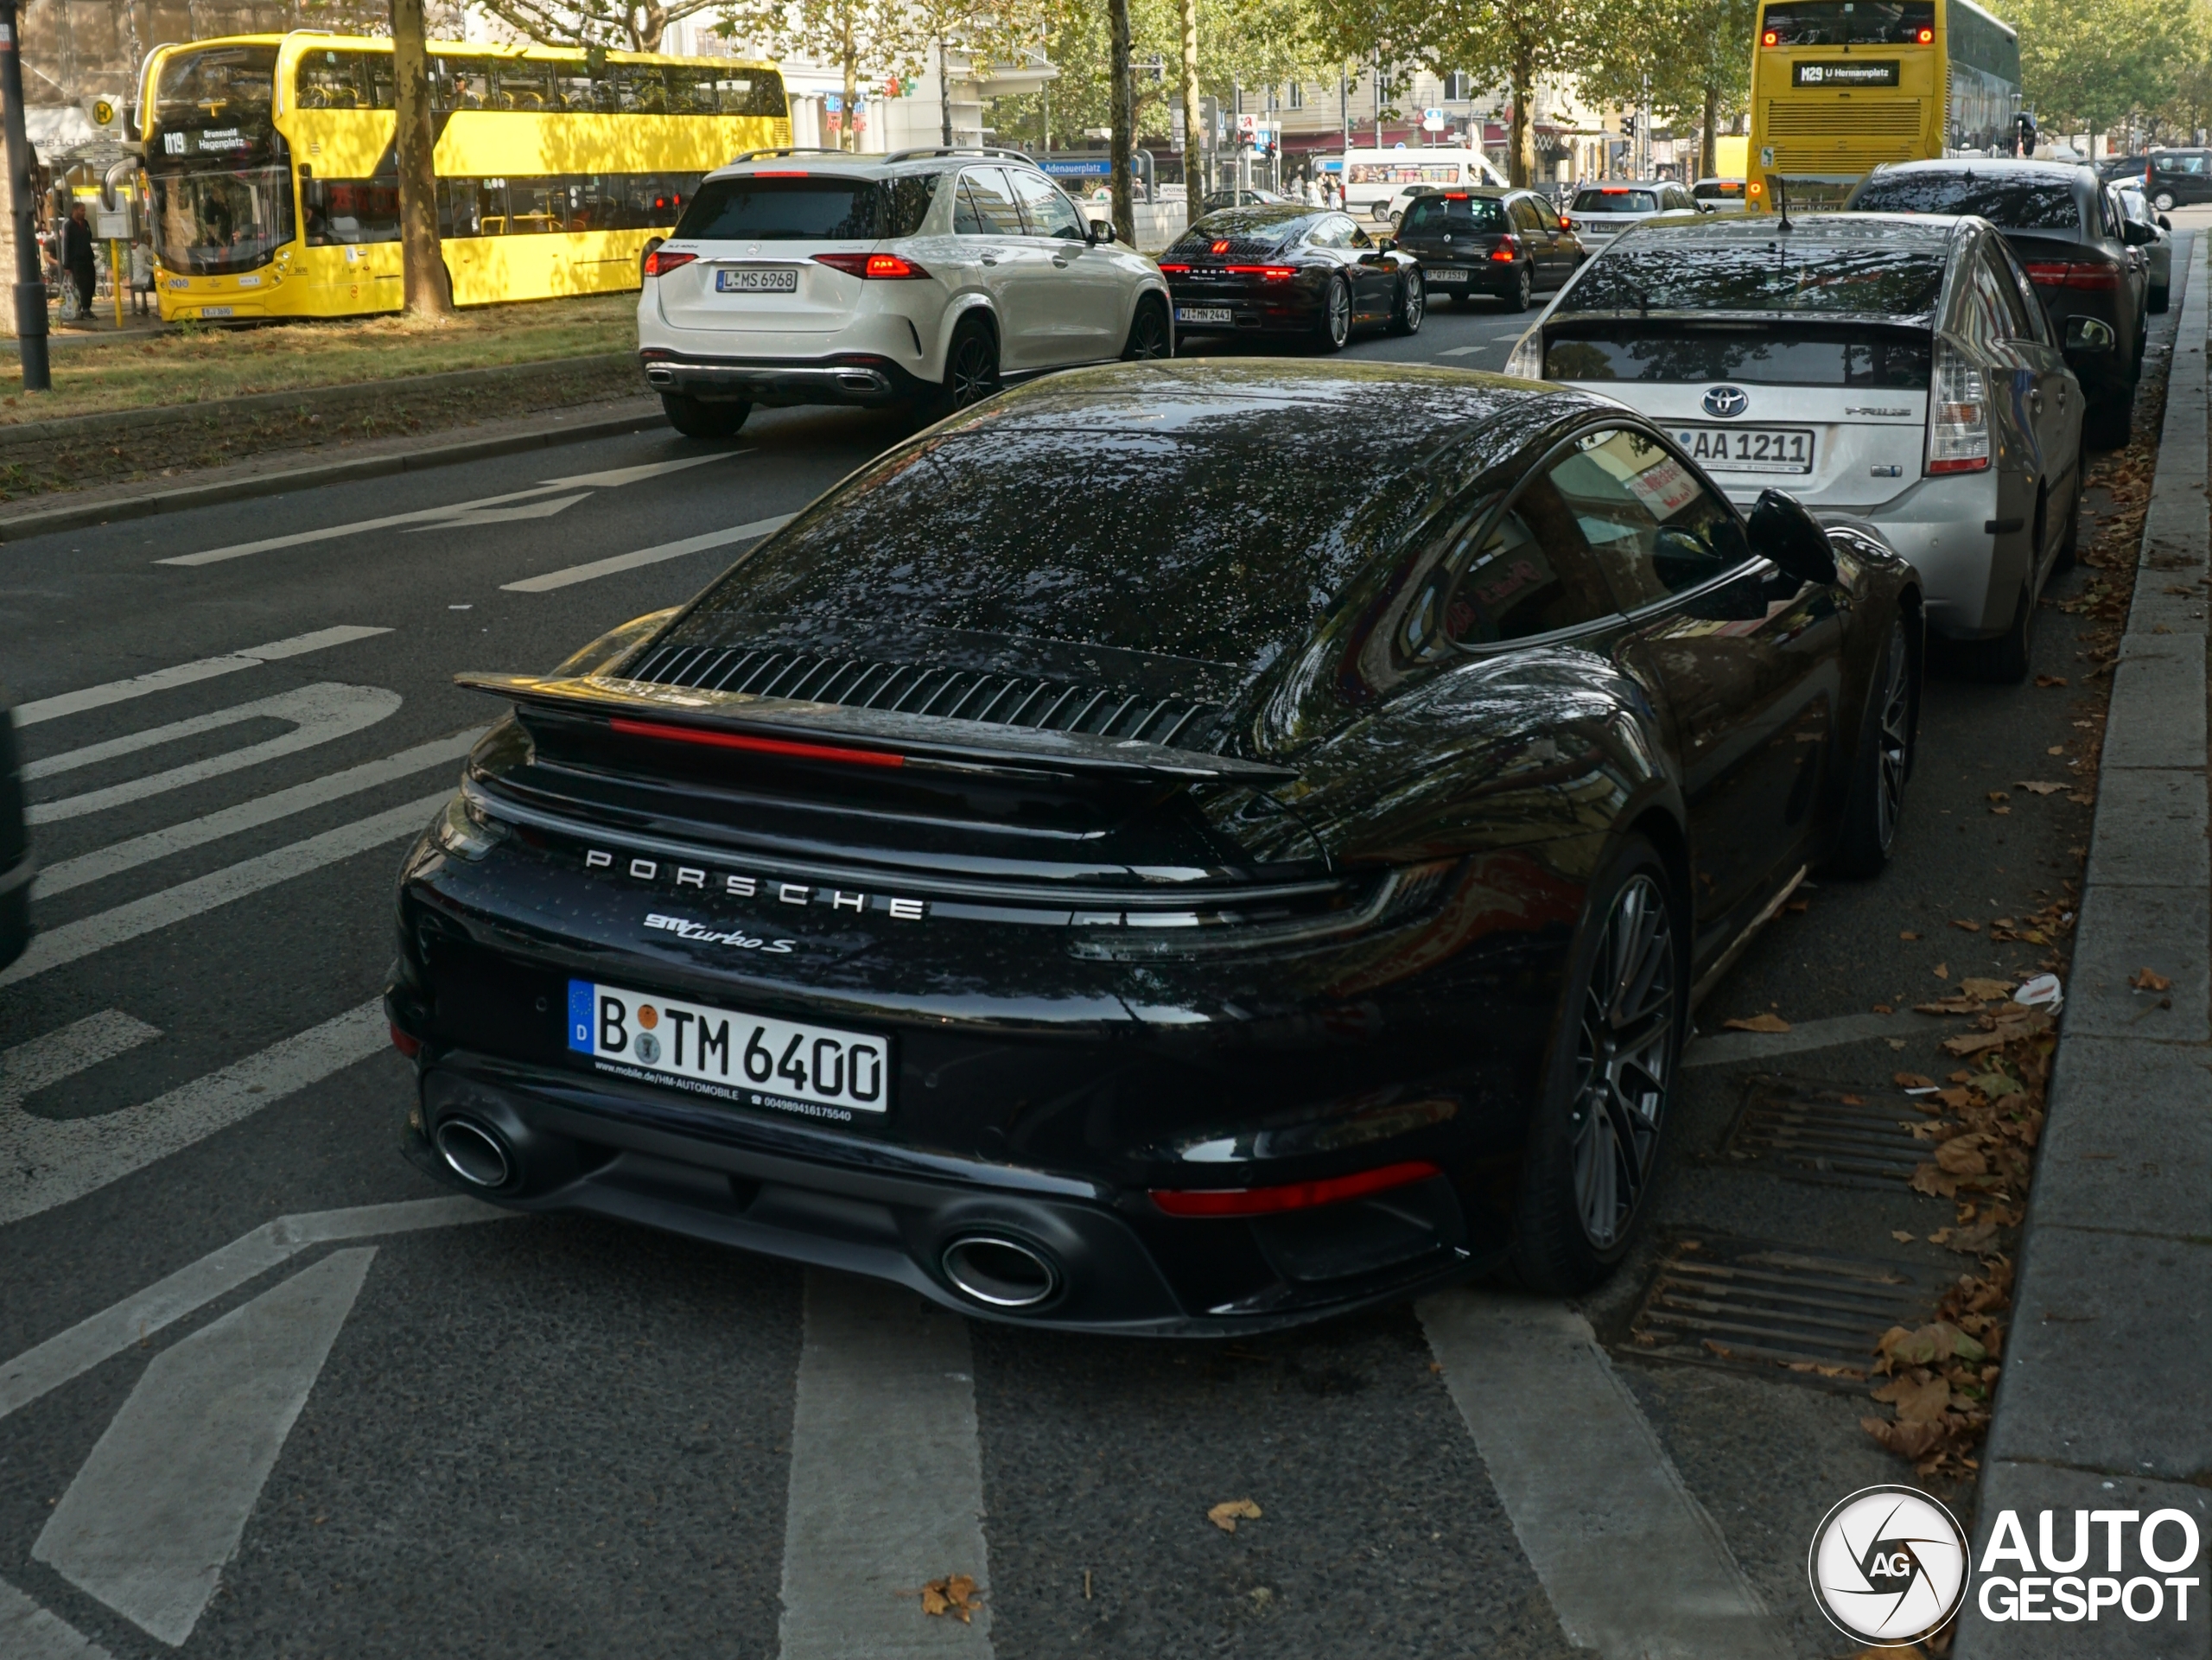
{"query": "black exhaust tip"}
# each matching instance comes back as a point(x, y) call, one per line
point(999, 1273)
point(476, 1155)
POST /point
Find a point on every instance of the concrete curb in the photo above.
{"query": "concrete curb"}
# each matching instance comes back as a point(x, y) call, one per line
point(434, 450)
point(2102, 1400)
point(105, 422)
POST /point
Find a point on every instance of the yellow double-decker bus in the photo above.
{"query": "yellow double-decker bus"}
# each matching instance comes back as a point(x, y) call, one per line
point(1841, 86)
point(275, 190)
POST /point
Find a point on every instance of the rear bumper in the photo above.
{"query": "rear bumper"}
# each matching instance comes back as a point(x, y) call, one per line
point(851, 378)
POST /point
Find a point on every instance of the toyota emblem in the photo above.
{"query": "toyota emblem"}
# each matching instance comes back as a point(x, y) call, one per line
point(1727, 401)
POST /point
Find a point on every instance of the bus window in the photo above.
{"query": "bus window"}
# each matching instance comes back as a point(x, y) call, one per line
point(642, 88)
point(527, 87)
point(756, 92)
point(210, 220)
point(340, 212)
point(223, 86)
point(1849, 23)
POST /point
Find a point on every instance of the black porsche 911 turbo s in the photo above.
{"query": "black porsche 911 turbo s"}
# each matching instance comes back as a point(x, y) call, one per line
point(1099, 877)
point(1311, 273)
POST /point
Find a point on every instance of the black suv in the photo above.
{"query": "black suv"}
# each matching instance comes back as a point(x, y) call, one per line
point(2178, 177)
point(2081, 252)
point(1487, 240)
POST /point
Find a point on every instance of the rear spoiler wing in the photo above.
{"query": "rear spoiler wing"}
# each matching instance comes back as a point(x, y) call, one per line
point(830, 732)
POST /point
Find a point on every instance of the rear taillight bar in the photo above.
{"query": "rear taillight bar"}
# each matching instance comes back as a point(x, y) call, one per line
point(1958, 416)
point(660, 262)
point(2093, 274)
point(1508, 248)
point(1269, 273)
point(873, 267)
point(1290, 1196)
point(783, 748)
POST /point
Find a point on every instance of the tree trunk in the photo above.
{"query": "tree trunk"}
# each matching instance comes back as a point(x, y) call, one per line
point(943, 94)
point(1709, 138)
point(1124, 122)
point(847, 138)
point(1192, 193)
point(1521, 132)
point(427, 291)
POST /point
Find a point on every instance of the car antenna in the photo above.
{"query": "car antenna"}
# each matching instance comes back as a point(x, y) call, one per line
point(1782, 195)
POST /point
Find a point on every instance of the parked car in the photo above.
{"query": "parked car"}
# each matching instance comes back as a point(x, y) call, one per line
point(2079, 252)
point(1601, 212)
point(2114, 168)
point(1045, 1004)
point(1505, 243)
point(1719, 195)
point(1890, 371)
point(1215, 200)
point(2159, 255)
point(1304, 271)
point(17, 864)
point(2179, 178)
point(925, 277)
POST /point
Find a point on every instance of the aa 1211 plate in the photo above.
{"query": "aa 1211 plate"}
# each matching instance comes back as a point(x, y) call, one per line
point(1749, 449)
point(747, 1061)
point(756, 282)
point(1444, 275)
point(1205, 315)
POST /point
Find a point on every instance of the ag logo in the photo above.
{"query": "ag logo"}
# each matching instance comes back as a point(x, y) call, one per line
point(1889, 1565)
point(1727, 401)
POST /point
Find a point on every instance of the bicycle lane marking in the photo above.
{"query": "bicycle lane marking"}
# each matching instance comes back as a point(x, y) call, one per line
point(186, 674)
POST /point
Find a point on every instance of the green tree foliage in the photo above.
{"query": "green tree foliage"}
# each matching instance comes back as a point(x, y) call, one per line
point(2087, 66)
point(626, 25)
point(1691, 58)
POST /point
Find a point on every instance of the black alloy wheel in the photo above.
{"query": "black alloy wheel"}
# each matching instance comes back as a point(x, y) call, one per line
point(1412, 304)
point(971, 364)
point(1524, 289)
point(1594, 1148)
point(1332, 332)
point(1148, 334)
point(1879, 771)
point(694, 418)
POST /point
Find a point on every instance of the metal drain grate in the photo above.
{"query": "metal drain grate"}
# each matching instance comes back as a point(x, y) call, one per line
point(1774, 1309)
point(1855, 1137)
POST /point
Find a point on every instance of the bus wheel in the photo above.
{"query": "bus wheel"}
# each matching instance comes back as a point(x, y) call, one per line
point(696, 420)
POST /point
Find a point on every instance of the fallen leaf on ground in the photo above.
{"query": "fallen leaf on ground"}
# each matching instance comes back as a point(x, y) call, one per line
point(1854, 1100)
point(1999, 795)
point(1798, 906)
point(1957, 1003)
point(1972, 1043)
point(953, 1594)
point(2050, 680)
point(1941, 970)
point(2055, 749)
point(1912, 1440)
point(1921, 1402)
point(1973, 986)
point(1927, 1179)
point(1908, 934)
point(1226, 1514)
point(2000, 811)
point(1901, 1235)
point(1758, 1023)
point(1960, 1157)
point(2146, 980)
point(1970, 927)
point(1884, 1008)
point(2037, 786)
point(1912, 1081)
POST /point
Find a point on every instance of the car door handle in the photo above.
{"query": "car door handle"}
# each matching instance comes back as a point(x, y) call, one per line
point(1060, 260)
point(990, 258)
point(2035, 400)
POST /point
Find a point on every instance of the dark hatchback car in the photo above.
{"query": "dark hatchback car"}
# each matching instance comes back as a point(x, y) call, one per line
point(1299, 271)
point(1506, 244)
point(2082, 255)
point(17, 864)
point(1281, 892)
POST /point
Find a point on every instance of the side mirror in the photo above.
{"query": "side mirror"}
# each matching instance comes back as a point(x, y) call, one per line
point(2136, 233)
point(2088, 335)
point(1097, 230)
point(1387, 245)
point(1782, 532)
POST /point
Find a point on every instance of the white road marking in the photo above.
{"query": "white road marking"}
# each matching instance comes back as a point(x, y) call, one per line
point(504, 515)
point(99, 1337)
point(1462, 351)
point(1634, 1567)
point(29, 1632)
point(160, 1505)
point(102, 862)
point(45, 1060)
point(49, 1161)
point(887, 1482)
point(458, 510)
point(318, 714)
point(553, 579)
point(1722, 1048)
point(184, 674)
point(70, 941)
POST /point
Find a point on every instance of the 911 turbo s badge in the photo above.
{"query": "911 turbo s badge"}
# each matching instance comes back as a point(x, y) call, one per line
point(699, 934)
point(737, 885)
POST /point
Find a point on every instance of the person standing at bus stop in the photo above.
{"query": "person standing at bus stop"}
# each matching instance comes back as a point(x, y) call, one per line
point(77, 256)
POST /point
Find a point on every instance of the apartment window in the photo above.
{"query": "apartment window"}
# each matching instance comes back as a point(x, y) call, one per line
point(1298, 95)
point(1458, 87)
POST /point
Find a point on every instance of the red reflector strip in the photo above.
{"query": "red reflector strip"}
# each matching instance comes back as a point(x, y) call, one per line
point(755, 746)
point(1271, 273)
point(1290, 1196)
point(2072, 274)
point(1968, 464)
point(779, 173)
point(1179, 270)
point(408, 1046)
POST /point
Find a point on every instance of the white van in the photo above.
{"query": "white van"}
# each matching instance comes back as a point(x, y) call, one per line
point(1373, 179)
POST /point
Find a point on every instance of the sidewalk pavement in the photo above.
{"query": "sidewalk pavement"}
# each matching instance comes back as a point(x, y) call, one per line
point(2106, 1399)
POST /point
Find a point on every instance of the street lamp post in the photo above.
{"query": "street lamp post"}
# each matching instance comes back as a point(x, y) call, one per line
point(31, 281)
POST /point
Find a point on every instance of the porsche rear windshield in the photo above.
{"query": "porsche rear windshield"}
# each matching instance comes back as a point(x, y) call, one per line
point(2012, 204)
point(1849, 23)
point(1437, 215)
point(1780, 274)
point(821, 207)
point(1892, 359)
point(1614, 201)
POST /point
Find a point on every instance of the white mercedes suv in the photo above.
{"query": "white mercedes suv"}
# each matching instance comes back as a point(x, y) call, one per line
point(925, 277)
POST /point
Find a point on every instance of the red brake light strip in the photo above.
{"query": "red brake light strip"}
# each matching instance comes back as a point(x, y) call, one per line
point(1271, 273)
point(1290, 1196)
point(780, 747)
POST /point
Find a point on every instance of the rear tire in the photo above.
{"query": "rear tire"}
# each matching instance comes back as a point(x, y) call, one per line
point(971, 366)
point(2163, 201)
point(2109, 422)
point(1412, 303)
point(1332, 330)
point(2159, 298)
point(1593, 1149)
point(1876, 801)
point(1522, 291)
point(696, 419)
point(1149, 335)
point(2069, 545)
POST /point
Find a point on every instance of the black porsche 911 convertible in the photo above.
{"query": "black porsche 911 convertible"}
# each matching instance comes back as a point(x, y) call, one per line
point(1102, 869)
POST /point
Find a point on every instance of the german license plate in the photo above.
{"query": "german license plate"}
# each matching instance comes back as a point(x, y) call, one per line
point(1205, 314)
point(1749, 449)
point(218, 311)
point(748, 1060)
point(756, 282)
point(1428, 276)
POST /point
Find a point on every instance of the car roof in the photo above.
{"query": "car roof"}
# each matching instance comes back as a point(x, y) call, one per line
point(846, 163)
point(2000, 168)
point(1493, 191)
point(1890, 228)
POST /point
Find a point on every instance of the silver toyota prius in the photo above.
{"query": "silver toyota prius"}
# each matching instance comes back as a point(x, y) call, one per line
point(1898, 371)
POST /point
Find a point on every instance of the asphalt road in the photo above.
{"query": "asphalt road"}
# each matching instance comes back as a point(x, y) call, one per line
point(405, 1434)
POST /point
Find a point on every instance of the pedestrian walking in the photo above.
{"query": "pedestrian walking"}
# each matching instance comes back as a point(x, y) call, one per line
point(77, 256)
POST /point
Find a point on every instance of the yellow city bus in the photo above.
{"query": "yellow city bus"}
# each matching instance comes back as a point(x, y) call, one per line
point(1840, 87)
point(275, 192)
